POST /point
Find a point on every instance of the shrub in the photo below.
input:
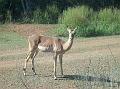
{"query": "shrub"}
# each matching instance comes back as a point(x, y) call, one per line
point(38, 16)
point(77, 16)
point(108, 21)
point(51, 13)
point(48, 16)
point(25, 19)
point(89, 22)
point(8, 17)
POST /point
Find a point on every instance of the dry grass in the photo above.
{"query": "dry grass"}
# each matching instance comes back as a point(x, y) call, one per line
point(28, 29)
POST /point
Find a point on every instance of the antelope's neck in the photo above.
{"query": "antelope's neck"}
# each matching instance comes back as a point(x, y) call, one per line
point(68, 44)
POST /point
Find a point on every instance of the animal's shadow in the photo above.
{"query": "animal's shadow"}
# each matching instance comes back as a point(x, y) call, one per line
point(85, 78)
point(89, 78)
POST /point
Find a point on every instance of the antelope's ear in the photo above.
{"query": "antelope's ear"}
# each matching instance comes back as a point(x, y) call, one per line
point(75, 29)
point(68, 29)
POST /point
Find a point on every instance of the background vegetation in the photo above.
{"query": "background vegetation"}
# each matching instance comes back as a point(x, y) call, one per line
point(45, 11)
point(93, 18)
point(90, 22)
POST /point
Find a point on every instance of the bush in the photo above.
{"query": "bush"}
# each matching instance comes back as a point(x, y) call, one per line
point(108, 21)
point(8, 17)
point(77, 16)
point(52, 13)
point(49, 16)
point(38, 16)
point(89, 22)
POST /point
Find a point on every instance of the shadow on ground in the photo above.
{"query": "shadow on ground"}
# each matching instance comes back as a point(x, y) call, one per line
point(89, 78)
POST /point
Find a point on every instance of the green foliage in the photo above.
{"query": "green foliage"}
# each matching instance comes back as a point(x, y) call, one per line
point(23, 10)
point(37, 16)
point(89, 22)
point(52, 12)
point(77, 16)
point(108, 21)
point(108, 15)
point(24, 20)
point(61, 31)
point(8, 17)
point(48, 16)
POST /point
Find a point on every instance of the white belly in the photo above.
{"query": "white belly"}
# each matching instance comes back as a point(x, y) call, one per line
point(45, 49)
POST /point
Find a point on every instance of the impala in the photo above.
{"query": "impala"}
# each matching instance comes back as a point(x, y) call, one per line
point(48, 44)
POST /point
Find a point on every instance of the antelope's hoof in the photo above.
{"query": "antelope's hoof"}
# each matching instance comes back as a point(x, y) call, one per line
point(33, 69)
point(55, 78)
point(24, 71)
point(35, 73)
point(24, 74)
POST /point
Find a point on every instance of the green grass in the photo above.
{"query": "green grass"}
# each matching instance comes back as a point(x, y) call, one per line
point(11, 40)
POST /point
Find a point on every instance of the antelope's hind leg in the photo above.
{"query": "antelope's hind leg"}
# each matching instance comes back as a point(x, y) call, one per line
point(33, 66)
point(30, 55)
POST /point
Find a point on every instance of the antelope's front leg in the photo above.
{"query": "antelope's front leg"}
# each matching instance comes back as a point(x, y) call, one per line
point(55, 61)
point(60, 60)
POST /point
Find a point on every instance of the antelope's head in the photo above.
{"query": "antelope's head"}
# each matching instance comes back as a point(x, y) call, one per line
point(71, 32)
